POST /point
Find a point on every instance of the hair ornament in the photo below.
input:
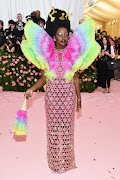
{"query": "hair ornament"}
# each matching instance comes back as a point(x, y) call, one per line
point(70, 16)
point(67, 15)
point(53, 11)
point(62, 17)
point(52, 18)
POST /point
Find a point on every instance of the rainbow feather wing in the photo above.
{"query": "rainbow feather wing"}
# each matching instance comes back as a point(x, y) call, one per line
point(38, 45)
point(84, 49)
point(20, 127)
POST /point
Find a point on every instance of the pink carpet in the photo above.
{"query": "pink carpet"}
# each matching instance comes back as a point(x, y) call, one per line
point(97, 143)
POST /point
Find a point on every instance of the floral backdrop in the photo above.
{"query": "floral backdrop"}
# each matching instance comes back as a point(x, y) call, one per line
point(18, 74)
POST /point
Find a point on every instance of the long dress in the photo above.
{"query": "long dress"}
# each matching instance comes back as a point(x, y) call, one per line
point(59, 67)
point(60, 108)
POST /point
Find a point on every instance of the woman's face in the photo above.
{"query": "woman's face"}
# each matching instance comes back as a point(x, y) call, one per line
point(1, 26)
point(104, 41)
point(61, 37)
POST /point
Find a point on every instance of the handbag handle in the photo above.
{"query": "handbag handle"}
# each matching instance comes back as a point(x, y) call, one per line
point(24, 105)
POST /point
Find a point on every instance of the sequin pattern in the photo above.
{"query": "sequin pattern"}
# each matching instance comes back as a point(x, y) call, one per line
point(60, 106)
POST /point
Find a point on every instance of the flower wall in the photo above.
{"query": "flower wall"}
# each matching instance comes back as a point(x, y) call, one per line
point(18, 74)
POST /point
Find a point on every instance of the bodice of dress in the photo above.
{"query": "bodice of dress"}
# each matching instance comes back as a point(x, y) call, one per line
point(59, 64)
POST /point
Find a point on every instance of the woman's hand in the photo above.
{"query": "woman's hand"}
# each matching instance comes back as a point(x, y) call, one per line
point(18, 42)
point(106, 53)
point(28, 93)
point(81, 21)
point(78, 105)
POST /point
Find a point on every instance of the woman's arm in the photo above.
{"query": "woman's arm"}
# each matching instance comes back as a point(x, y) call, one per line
point(77, 88)
point(10, 50)
point(40, 83)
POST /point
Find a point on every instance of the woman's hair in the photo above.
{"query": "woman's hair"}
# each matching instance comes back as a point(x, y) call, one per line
point(108, 43)
point(56, 19)
point(1, 22)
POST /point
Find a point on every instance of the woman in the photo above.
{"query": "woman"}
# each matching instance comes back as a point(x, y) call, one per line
point(1, 35)
point(60, 62)
point(9, 46)
point(106, 54)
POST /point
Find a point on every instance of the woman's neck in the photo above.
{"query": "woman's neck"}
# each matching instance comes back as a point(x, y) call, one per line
point(60, 47)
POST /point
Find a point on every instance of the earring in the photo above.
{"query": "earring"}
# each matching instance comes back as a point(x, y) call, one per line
point(54, 39)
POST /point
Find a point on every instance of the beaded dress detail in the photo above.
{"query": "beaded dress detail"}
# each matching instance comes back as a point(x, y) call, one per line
point(60, 107)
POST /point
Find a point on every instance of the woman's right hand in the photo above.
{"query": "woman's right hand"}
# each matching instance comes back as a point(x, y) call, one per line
point(28, 93)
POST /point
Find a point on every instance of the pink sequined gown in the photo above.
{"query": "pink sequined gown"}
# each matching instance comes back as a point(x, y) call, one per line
point(60, 107)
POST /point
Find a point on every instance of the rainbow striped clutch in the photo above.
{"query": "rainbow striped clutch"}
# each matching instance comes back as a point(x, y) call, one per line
point(20, 127)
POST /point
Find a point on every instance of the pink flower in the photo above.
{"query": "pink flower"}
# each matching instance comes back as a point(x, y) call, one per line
point(20, 57)
point(40, 74)
point(16, 68)
point(81, 71)
point(0, 76)
point(14, 72)
point(4, 56)
point(13, 56)
point(13, 69)
point(31, 73)
point(21, 71)
point(8, 70)
point(86, 79)
point(92, 66)
point(22, 84)
point(6, 61)
point(36, 73)
point(0, 58)
point(28, 85)
point(95, 81)
point(89, 79)
point(17, 79)
point(17, 74)
point(24, 67)
point(6, 83)
point(13, 83)
point(33, 66)
point(31, 77)
point(29, 62)
point(13, 60)
point(35, 80)
point(30, 67)
point(82, 86)
point(7, 73)
point(83, 77)
point(11, 77)
point(28, 79)
point(20, 77)
point(24, 81)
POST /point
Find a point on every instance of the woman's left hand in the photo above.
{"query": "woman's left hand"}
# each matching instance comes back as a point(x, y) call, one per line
point(78, 105)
